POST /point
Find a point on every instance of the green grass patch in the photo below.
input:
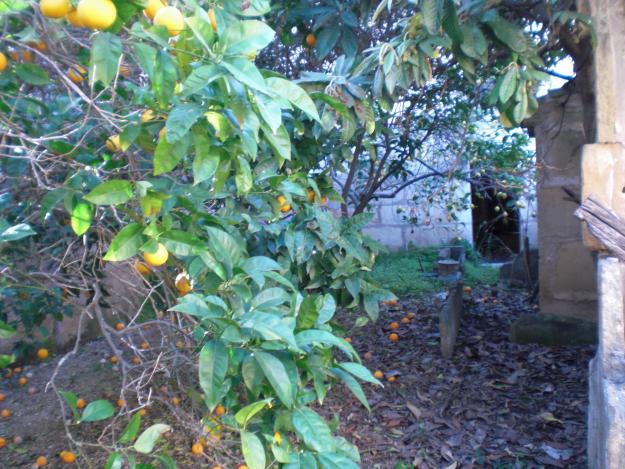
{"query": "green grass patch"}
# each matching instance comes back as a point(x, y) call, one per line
point(411, 272)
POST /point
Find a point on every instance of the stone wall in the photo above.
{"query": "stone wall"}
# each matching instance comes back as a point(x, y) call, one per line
point(567, 281)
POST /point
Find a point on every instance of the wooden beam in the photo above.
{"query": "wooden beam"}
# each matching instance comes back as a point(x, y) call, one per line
point(604, 224)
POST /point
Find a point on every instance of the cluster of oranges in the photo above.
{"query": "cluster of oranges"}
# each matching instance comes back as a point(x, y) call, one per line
point(394, 326)
point(91, 14)
point(285, 206)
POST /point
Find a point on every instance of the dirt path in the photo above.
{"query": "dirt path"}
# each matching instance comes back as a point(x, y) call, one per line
point(494, 404)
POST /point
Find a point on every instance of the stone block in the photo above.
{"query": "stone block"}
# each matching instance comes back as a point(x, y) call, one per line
point(449, 319)
point(556, 217)
point(604, 177)
point(549, 329)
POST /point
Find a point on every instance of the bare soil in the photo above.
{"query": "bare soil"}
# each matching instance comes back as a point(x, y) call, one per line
point(494, 404)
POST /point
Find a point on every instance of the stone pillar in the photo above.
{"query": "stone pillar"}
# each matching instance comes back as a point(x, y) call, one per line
point(567, 282)
point(604, 177)
point(606, 416)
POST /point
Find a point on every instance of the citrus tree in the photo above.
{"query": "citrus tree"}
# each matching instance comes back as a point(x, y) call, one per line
point(144, 133)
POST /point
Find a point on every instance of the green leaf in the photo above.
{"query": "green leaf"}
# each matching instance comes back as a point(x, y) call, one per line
point(295, 94)
point(212, 371)
point(131, 430)
point(166, 461)
point(15, 232)
point(246, 413)
point(329, 460)
point(200, 78)
point(71, 400)
point(271, 326)
point(353, 386)
point(126, 243)
point(81, 216)
point(6, 331)
point(180, 120)
point(113, 192)
point(432, 11)
point(165, 75)
point(508, 33)
point(244, 37)
point(168, 155)
point(508, 84)
point(6, 360)
point(280, 141)
point(206, 159)
point(252, 374)
point(106, 51)
point(245, 72)
point(360, 372)
point(276, 374)
point(32, 74)
point(311, 428)
point(315, 336)
point(98, 410)
point(181, 243)
point(243, 178)
point(270, 297)
point(253, 451)
point(147, 58)
point(147, 440)
point(326, 40)
point(114, 461)
point(51, 199)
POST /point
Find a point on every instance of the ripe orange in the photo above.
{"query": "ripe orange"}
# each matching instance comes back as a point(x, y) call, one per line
point(142, 412)
point(97, 14)
point(348, 340)
point(145, 346)
point(136, 360)
point(197, 448)
point(17, 370)
point(467, 289)
point(171, 18)
point(392, 379)
point(394, 337)
point(183, 284)
point(3, 442)
point(114, 360)
point(41, 461)
point(311, 40)
point(211, 17)
point(157, 258)
point(120, 403)
point(368, 356)
point(277, 438)
point(1, 397)
point(74, 19)
point(119, 326)
point(175, 401)
point(411, 315)
point(142, 268)
point(27, 56)
point(310, 196)
point(378, 374)
point(80, 403)
point(285, 208)
point(220, 410)
point(4, 62)
point(54, 8)
point(324, 200)
point(153, 7)
point(67, 457)
point(394, 326)
point(40, 46)
point(43, 354)
point(22, 381)
point(405, 320)
point(5, 413)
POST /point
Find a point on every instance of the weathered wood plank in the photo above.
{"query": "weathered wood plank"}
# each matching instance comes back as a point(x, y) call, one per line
point(604, 224)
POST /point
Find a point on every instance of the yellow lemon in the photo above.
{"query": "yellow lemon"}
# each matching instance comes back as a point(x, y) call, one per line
point(156, 258)
point(55, 8)
point(147, 116)
point(97, 14)
point(114, 143)
point(75, 75)
point(152, 8)
point(74, 19)
point(4, 62)
point(171, 18)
